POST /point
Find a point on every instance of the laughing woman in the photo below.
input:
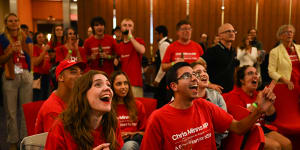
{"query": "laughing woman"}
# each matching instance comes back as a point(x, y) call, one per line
point(130, 112)
point(245, 95)
point(88, 122)
point(209, 94)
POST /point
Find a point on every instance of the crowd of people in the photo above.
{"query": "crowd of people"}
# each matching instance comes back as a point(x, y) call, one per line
point(90, 88)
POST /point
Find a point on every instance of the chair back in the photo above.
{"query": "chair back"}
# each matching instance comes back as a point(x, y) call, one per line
point(287, 106)
point(149, 104)
point(31, 111)
point(34, 142)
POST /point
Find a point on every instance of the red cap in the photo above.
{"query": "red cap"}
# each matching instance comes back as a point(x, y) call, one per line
point(65, 64)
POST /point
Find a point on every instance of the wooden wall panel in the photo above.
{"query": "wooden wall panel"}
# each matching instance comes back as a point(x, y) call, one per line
point(272, 14)
point(296, 19)
point(87, 9)
point(168, 13)
point(139, 12)
point(205, 17)
point(241, 14)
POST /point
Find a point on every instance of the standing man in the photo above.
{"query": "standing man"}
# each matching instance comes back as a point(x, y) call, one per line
point(221, 59)
point(204, 41)
point(131, 50)
point(184, 49)
point(100, 48)
point(161, 34)
point(186, 123)
point(67, 72)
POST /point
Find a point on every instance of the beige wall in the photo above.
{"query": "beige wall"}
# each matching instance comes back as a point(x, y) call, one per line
point(4, 9)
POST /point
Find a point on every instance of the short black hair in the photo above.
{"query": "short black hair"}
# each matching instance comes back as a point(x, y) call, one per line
point(171, 75)
point(24, 26)
point(162, 30)
point(115, 29)
point(95, 20)
point(240, 75)
point(182, 22)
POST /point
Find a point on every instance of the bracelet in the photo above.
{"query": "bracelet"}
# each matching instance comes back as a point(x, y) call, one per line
point(172, 63)
point(109, 56)
point(129, 37)
point(70, 51)
point(254, 104)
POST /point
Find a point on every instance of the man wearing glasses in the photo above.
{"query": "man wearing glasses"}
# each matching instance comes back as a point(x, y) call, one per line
point(190, 123)
point(184, 49)
point(221, 59)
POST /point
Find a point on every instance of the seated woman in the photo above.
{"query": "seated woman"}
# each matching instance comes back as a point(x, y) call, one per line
point(88, 122)
point(246, 54)
point(245, 95)
point(131, 113)
point(208, 93)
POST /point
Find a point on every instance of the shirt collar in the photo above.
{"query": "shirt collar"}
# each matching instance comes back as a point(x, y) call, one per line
point(162, 40)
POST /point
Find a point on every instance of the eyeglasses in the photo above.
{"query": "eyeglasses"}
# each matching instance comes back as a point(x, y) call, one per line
point(229, 31)
point(251, 73)
point(287, 32)
point(185, 29)
point(188, 75)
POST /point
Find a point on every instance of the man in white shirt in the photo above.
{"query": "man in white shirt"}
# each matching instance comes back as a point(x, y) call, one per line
point(161, 34)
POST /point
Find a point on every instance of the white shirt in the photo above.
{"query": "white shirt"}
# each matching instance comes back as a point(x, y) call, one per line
point(245, 58)
point(162, 46)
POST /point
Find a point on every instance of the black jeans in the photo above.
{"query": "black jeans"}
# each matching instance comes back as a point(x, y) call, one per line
point(42, 93)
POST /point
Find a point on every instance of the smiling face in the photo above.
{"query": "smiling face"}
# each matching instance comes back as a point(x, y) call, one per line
point(12, 23)
point(100, 94)
point(71, 36)
point(121, 85)
point(99, 29)
point(40, 39)
point(250, 81)
point(187, 83)
point(202, 76)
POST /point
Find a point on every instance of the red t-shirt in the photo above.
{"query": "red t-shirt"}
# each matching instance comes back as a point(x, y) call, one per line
point(295, 76)
point(131, 62)
point(62, 52)
point(170, 129)
point(48, 113)
point(126, 124)
point(45, 65)
point(108, 45)
point(190, 52)
point(238, 97)
point(58, 44)
point(60, 139)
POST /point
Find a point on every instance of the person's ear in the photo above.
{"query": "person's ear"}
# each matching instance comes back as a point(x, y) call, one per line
point(60, 78)
point(173, 86)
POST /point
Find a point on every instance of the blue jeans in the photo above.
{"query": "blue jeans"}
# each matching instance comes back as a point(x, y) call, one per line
point(131, 145)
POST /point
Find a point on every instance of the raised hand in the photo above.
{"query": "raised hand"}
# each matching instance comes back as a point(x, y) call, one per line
point(104, 146)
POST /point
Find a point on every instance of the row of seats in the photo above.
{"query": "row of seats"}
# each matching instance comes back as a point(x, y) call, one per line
point(287, 122)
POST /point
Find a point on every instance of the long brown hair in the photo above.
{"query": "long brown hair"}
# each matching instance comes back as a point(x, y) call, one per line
point(76, 118)
point(54, 38)
point(129, 100)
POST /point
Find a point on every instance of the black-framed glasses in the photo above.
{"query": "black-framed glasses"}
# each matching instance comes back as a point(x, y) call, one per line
point(188, 75)
point(185, 29)
point(229, 31)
